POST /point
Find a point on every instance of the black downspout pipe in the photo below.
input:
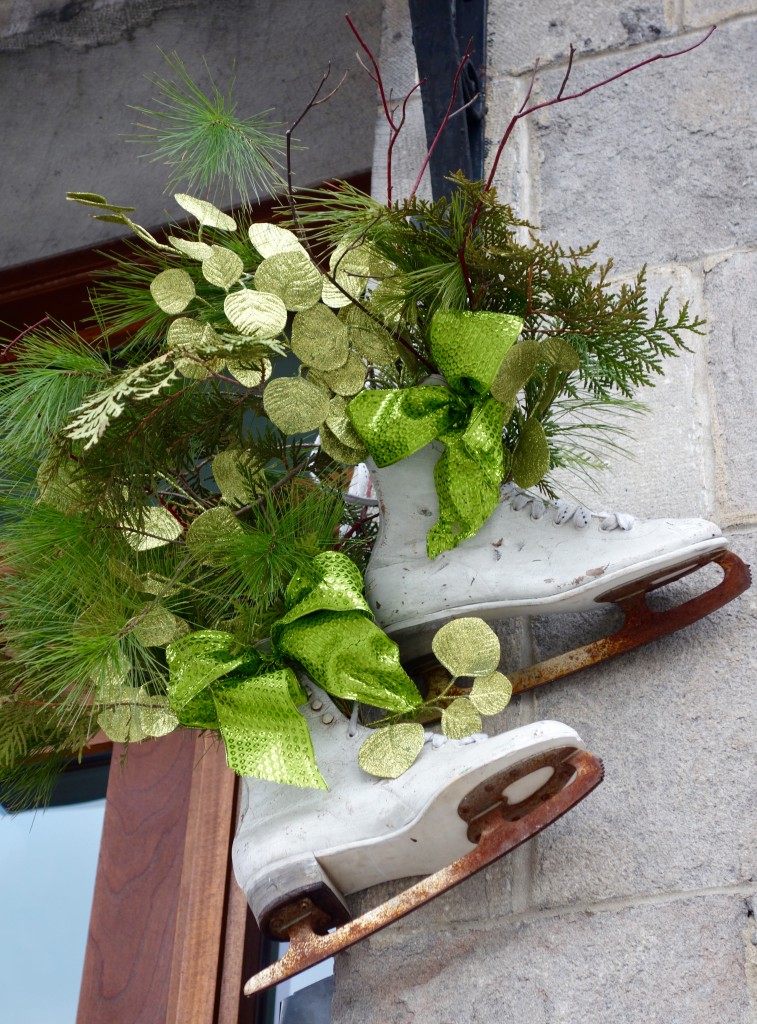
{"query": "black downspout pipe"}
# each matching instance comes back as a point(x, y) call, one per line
point(441, 31)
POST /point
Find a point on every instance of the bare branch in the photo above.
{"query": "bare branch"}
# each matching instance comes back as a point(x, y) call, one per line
point(314, 102)
point(379, 80)
point(530, 89)
point(471, 101)
point(389, 112)
point(365, 68)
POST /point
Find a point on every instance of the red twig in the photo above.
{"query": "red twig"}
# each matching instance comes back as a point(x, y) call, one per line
point(445, 119)
point(378, 79)
point(394, 127)
point(530, 89)
point(18, 337)
point(525, 111)
point(398, 129)
point(567, 71)
point(357, 527)
point(164, 504)
point(574, 96)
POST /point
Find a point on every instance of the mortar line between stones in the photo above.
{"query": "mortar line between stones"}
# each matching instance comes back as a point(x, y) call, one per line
point(703, 261)
point(559, 63)
point(616, 905)
point(522, 860)
point(706, 404)
point(676, 14)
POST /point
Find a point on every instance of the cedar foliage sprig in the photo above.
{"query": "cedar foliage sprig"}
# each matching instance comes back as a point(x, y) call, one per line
point(619, 345)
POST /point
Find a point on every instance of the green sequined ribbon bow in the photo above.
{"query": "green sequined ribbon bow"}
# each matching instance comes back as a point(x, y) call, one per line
point(468, 348)
point(328, 629)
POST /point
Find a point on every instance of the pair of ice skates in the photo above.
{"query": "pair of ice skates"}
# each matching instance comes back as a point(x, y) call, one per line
point(464, 803)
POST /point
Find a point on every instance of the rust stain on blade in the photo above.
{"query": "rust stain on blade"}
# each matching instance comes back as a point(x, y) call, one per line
point(499, 835)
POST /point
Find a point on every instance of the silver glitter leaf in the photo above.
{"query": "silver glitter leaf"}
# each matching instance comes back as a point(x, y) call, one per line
point(389, 752)
point(159, 627)
point(293, 277)
point(467, 647)
point(223, 268)
point(140, 716)
point(207, 214)
point(368, 338)
point(336, 449)
point(156, 529)
point(346, 380)
point(460, 719)
point(209, 535)
point(270, 239)
point(491, 694)
point(172, 290)
point(319, 338)
point(193, 336)
point(295, 405)
point(195, 250)
point(256, 314)
point(232, 471)
point(251, 373)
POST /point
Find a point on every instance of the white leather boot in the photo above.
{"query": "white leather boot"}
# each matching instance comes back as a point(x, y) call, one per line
point(293, 843)
point(531, 557)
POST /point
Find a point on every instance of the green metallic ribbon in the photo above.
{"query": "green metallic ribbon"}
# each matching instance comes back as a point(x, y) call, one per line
point(217, 684)
point(469, 349)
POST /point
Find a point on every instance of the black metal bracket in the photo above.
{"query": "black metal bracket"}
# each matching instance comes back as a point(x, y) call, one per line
point(441, 31)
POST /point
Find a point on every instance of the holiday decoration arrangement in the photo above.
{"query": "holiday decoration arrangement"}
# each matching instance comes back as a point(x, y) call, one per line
point(184, 540)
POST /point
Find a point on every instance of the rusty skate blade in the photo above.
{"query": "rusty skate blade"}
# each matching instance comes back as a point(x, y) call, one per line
point(641, 626)
point(494, 828)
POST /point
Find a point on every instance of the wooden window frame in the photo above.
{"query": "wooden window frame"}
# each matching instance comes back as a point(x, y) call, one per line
point(171, 939)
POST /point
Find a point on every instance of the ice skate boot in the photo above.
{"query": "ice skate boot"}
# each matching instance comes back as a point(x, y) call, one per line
point(463, 804)
point(532, 557)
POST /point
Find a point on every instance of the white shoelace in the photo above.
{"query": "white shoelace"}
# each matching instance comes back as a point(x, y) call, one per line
point(437, 739)
point(563, 511)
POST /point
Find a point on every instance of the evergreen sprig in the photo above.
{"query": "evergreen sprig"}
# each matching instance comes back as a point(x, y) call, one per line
point(559, 293)
point(53, 373)
point(208, 147)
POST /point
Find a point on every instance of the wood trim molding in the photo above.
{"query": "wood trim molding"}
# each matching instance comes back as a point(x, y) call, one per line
point(166, 941)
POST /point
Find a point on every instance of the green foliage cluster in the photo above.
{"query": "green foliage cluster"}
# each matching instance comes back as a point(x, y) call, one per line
point(168, 478)
point(599, 341)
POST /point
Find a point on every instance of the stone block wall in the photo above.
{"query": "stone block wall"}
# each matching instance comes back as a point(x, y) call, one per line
point(639, 906)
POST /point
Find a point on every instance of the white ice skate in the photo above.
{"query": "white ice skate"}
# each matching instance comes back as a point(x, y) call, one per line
point(533, 557)
point(462, 805)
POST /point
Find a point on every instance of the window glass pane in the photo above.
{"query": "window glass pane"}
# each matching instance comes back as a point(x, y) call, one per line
point(304, 999)
point(47, 876)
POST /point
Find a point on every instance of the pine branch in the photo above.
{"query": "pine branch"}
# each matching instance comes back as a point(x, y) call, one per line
point(52, 373)
point(207, 146)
